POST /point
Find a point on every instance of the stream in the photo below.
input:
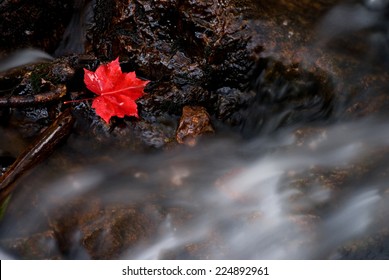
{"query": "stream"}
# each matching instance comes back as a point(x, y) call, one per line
point(299, 171)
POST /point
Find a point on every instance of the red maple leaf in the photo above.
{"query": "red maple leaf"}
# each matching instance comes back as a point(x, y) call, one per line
point(117, 91)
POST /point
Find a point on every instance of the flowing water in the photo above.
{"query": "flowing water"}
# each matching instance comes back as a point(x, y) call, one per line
point(267, 198)
point(300, 192)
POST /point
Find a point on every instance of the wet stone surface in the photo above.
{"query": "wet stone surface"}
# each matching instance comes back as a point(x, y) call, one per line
point(43, 29)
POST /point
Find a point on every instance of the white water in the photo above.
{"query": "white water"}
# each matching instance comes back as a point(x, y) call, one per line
point(255, 213)
point(243, 198)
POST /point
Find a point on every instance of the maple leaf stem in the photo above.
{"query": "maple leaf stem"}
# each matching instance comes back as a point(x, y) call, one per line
point(77, 101)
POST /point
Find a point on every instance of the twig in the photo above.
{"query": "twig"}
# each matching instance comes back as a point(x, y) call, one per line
point(36, 152)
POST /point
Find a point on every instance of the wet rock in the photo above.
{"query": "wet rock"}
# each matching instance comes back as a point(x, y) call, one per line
point(83, 229)
point(38, 78)
point(372, 247)
point(36, 95)
point(167, 98)
point(168, 37)
point(216, 55)
point(296, 32)
point(189, 49)
point(194, 122)
point(203, 53)
point(155, 134)
point(119, 230)
point(279, 96)
point(37, 246)
point(87, 228)
point(229, 100)
point(38, 24)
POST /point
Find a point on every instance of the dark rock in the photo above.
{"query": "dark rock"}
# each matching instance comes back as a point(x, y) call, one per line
point(36, 95)
point(192, 45)
point(193, 52)
point(38, 24)
point(278, 96)
point(155, 134)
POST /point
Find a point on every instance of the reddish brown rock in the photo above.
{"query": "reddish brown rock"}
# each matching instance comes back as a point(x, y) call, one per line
point(195, 121)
